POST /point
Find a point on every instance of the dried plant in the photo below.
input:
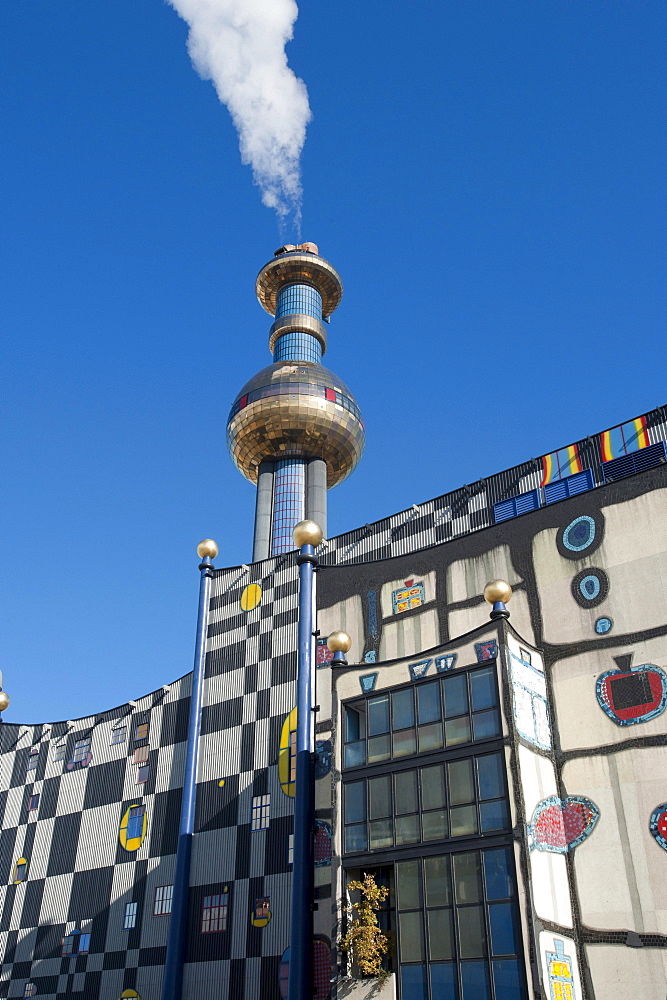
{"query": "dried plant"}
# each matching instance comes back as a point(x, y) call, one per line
point(364, 939)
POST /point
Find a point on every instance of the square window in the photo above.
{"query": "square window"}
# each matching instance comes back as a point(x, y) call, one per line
point(141, 732)
point(142, 773)
point(118, 735)
point(290, 848)
point(261, 808)
point(33, 802)
point(162, 900)
point(130, 918)
point(141, 754)
point(81, 748)
point(59, 751)
point(214, 913)
point(68, 945)
point(33, 757)
point(135, 823)
point(84, 944)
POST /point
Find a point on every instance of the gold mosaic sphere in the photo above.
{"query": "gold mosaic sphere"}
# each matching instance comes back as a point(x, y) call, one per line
point(307, 533)
point(339, 642)
point(4, 701)
point(207, 547)
point(497, 590)
point(296, 409)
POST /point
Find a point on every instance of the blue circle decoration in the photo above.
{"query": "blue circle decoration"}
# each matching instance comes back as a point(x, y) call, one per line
point(590, 587)
point(603, 625)
point(658, 825)
point(579, 534)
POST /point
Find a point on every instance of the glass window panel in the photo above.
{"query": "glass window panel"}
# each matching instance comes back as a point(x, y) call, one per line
point(467, 877)
point(379, 797)
point(490, 776)
point(471, 931)
point(463, 821)
point(433, 787)
point(493, 815)
point(378, 715)
point(407, 829)
point(441, 935)
point(428, 702)
point(434, 824)
point(475, 981)
point(497, 872)
point(354, 728)
point(461, 786)
point(508, 979)
point(355, 754)
point(355, 801)
point(457, 731)
point(456, 695)
point(411, 936)
point(413, 982)
point(378, 749)
point(355, 837)
point(444, 982)
point(502, 922)
point(403, 707)
point(405, 788)
point(381, 834)
point(408, 884)
point(436, 881)
point(483, 689)
point(404, 743)
point(430, 737)
point(486, 724)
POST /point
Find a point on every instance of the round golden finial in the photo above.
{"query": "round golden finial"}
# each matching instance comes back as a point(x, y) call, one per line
point(307, 533)
point(4, 701)
point(339, 642)
point(497, 590)
point(207, 547)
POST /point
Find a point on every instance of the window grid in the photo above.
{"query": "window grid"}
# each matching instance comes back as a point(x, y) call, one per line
point(458, 708)
point(297, 346)
point(75, 943)
point(290, 848)
point(30, 990)
point(135, 823)
point(33, 802)
point(118, 735)
point(289, 493)
point(141, 754)
point(261, 808)
point(215, 910)
point(33, 757)
point(81, 748)
point(141, 732)
point(59, 751)
point(142, 773)
point(299, 299)
point(130, 917)
point(162, 900)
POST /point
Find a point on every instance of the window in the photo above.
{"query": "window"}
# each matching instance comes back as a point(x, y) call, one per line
point(30, 990)
point(262, 908)
point(76, 943)
point(459, 798)
point(118, 734)
point(162, 900)
point(292, 755)
point(130, 918)
point(141, 732)
point(141, 754)
point(81, 748)
point(33, 802)
point(59, 751)
point(525, 655)
point(261, 807)
point(20, 871)
point(214, 913)
point(142, 773)
point(33, 757)
point(437, 714)
point(290, 848)
point(135, 823)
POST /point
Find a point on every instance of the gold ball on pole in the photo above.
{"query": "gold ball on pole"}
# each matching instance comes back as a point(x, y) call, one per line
point(339, 642)
point(307, 533)
point(497, 590)
point(4, 701)
point(207, 547)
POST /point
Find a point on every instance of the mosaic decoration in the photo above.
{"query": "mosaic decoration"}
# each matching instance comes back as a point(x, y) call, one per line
point(561, 981)
point(283, 974)
point(560, 464)
point(590, 587)
point(658, 825)
point(603, 625)
point(419, 670)
point(321, 969)
point(133, 827)
point(582, 535)
point(323, 655)
point(323, 758)
point(129, 995)
point(251, 596)
point(531, 710)
point(370, 657)
point(409, 597)
point(371, 599)
point(322, 844)
point(624, 439)
point(367, 682)
point(486, 650)
point(446, 662)
point(560, 825)
point(286, 755)
point(630, 695)
point(260, 915)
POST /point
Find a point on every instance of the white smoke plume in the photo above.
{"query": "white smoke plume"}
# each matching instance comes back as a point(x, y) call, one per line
point(240, 46)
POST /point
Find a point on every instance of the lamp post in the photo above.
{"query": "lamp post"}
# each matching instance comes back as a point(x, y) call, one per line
point(172, 980)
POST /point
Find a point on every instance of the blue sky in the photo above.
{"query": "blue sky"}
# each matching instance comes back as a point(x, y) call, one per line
point(488, 177)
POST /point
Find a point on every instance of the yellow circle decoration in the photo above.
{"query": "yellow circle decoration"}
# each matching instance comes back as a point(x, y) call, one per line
point(133, 828)
point(129, 995)
point(287, 755)
point(251, 597)
point(221, 782)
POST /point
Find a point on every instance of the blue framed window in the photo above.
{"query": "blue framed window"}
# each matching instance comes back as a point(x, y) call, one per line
point(162, 900)
point(81, 748)
point(118, 735)
point(135, 823)
point(59, 751)
point(142, 773)
point(130, 916)
point(33, 802)
point(33, 757)
point(76, 943)
point(260, 812)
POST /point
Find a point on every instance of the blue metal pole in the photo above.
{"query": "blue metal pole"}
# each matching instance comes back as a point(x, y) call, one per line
point(172, 981)
point(301, 937)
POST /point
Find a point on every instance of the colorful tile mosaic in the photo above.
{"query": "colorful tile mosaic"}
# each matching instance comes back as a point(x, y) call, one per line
point(560, 825)
point(531, 710)
point(323, 655)
point(322, 844)
point(323, 758)
point(486, 650)
point(409, 597)
point(632, 695)
point(367, 682)
point(658, 825)
point(419, 670)
point(446, 662)
point(603, 625)
point(561, 982)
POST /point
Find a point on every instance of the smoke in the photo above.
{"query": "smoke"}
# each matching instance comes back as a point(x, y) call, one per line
point(240, 46)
